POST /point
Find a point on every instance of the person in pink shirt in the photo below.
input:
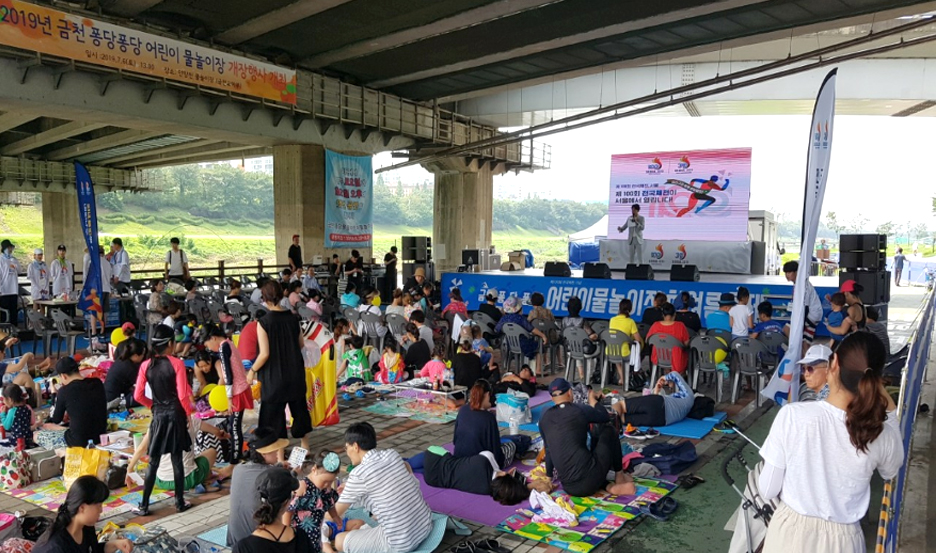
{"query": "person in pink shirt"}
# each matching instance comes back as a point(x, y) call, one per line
point(435, 370)
point(456, 304)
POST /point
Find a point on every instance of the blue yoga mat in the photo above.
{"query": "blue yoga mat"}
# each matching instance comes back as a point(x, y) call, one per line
point(536, 413)
point(691, 428)
point(216, 536)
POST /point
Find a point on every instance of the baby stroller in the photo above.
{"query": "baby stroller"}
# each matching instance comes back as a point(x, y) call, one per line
point(754, 513)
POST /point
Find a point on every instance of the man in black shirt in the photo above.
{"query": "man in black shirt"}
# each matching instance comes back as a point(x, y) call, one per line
point(655, 313)
point(84, 401)
point(415, 282)
point(295, 254)
point(564, 428)
point(354, 270)
point(390, 280)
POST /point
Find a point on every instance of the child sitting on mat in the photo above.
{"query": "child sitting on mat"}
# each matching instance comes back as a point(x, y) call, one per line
point(315, 497)
point(355, 362)
point(435, 370)
point(390, 366)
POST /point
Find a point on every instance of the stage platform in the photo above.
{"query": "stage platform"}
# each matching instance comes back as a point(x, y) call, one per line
point(600, 298)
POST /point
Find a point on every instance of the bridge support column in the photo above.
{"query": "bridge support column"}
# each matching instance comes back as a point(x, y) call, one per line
point(61, 224)
point(463, 205)
point(299, 203)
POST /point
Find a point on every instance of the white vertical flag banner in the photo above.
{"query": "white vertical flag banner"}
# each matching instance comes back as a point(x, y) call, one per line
point(784, 386)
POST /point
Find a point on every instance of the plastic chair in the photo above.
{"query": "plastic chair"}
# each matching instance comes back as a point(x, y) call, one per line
point(305, 313)
point(663, 346)
point(396, 324)
point(703, 349)
point(775, 342)
point(547, 327)
point(748, 353)
point(719, 333)
point(643, 329)
point(66, 330)
point(614, 343)
point(44, 328)
point(351, 314)
point(513, 333)
point(370, 323)
point(488, 325)
point(574, 339)
point(254, 308)
point(236, 310)
point(198, 306)
point(599, 326)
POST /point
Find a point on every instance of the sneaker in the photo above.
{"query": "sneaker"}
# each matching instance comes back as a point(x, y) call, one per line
point(652, 433)
point(634, 433)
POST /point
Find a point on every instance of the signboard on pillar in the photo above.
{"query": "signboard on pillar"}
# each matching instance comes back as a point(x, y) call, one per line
point(349, 208)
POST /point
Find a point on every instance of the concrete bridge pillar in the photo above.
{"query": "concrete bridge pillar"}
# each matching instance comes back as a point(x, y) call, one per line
point(463, 205)
point(61, 224)
point(299, 203)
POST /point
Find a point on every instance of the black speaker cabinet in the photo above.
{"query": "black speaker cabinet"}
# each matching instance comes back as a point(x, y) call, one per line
point(596, 270)
point(638, 272)
point(862, 242)
point(684, 273)
point(875, 284)
point(870, 260)
point(557, 269)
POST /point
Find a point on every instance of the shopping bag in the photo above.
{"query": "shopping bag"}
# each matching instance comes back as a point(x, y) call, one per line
point(14, 469)
point(322, 390)
point(80, 461)
point(514, 406)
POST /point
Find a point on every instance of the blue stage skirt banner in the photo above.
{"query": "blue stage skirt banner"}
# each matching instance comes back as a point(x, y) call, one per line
point(349, 201)
point(600, 298)
point(90, 299)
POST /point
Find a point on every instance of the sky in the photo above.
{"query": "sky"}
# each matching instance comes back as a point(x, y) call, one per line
point(878, 171)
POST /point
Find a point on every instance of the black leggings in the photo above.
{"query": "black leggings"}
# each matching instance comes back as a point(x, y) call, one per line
point(235, 423)
point(178, 473)
point(645, 411)
point(606, 451)
point(273, 415)
point(10, 303)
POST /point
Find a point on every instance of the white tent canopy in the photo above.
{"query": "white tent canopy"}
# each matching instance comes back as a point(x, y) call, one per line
point(592, 233)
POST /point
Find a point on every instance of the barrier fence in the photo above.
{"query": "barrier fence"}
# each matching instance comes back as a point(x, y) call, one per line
point(911, 384)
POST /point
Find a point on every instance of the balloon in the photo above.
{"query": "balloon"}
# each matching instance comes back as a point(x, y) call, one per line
point(207, 389)
point(721, 354)
point(218, 399)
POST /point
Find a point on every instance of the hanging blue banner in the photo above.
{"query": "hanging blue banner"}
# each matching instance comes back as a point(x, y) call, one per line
point(349, 205)
point(90, 299)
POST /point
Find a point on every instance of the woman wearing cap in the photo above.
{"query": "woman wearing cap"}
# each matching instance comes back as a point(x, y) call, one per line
point(820, 455)
point(275, 487)
point(85, 402)
point(73, 528)
point(38, 274)
point(280, 368)
point(9, 281)
point(513, 314)
point(416, 281)
point(856, 309)
point(263, 450)
point(171, 404)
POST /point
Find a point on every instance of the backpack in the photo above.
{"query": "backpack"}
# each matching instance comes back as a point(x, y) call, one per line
point(703, 406)
point(670, 458)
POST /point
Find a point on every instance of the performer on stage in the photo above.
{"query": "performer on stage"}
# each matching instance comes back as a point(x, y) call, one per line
point(635, 227)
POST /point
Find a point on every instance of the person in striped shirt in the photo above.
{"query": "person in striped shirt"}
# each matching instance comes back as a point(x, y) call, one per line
point(383, 484)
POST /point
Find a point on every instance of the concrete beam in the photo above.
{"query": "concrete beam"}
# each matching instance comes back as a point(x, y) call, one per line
point(245, 152)
point(604, 32)
point(161, 159)
point(97, 144)
point(129, 8)
point(156, 151)
point(482, 14)
point(275, 19)
point(13, 119)
point(43, 138)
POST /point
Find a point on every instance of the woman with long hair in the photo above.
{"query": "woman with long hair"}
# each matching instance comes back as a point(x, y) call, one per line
point(73, 527)
point(280, 368)
point(476, 429)
point(234, 378)
point(820, 455)
point(276, 487)
point(171, 404)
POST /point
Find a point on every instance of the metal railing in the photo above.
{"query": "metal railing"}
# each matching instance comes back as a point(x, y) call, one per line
point(21, 174)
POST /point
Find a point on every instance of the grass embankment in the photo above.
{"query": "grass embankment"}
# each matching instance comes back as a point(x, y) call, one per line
point(146, 236)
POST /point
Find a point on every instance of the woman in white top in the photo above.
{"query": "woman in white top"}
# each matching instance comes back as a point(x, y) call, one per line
point(819, 456)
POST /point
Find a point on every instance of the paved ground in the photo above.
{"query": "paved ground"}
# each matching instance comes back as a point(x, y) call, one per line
point(698, 526)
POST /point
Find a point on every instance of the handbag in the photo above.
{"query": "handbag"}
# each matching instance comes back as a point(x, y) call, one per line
point(156, 540)
point(14, 469)
point(115, 477)
point(80, 461)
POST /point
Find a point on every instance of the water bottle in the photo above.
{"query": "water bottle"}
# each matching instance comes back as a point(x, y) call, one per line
point(514, 425)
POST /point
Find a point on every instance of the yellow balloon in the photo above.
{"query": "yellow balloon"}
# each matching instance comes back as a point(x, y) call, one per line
point(721, 354)
point(207, 389)
point(217, 398)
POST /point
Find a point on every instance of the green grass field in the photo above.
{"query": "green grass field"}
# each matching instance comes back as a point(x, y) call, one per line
point(237, 242)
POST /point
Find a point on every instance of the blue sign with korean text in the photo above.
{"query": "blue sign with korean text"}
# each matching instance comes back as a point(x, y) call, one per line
point(349, 205)
point(90, 299)
point(600, 298)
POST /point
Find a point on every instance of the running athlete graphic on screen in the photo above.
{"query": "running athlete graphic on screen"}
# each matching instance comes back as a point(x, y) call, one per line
point(701, 192)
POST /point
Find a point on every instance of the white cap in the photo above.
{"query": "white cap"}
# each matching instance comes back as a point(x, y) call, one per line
point(816, 354)
point(37, 251)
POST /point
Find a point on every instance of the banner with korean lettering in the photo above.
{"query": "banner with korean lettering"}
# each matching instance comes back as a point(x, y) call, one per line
point(687, 195)
point(50, 31)
point(349, 205)
point(779, 388)
point(90, 299)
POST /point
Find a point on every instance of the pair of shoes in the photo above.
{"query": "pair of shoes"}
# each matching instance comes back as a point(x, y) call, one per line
point(488, 544)
point(635, 433)
point(661, 509)
point(141, 510)
point(689, 481)
point(182, 507)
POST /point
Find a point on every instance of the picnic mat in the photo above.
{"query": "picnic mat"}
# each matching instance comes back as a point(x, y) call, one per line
point(218, 536)
point(136, 422)
point(51, 493)
point(432, 413)
point(599, 517)
point(691, 428)
point(535, 413)
point(541, 397)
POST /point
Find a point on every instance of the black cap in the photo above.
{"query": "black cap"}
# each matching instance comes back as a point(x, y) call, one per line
point(727, 298)
point(276, 485)
point(6, 244)
point(559, 386)
point(62, 247)
point(66, 365)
